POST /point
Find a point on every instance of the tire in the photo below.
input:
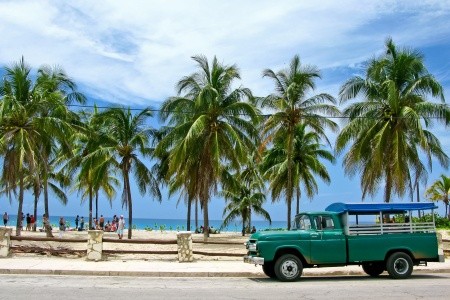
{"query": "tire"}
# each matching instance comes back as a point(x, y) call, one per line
point(288, 268)
point(268, 269)
point(399, 265)
point(373, 269)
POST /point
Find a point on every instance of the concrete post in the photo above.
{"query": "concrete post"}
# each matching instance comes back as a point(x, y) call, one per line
point(5, 241)
point(95, 245)
point(184, 241)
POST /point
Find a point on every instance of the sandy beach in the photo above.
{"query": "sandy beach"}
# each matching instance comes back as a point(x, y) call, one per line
point(235, 240)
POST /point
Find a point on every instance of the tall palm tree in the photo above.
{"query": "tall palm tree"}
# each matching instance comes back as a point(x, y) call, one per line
point(293, 104)
point(305, 160)
point(242, 202)
point(20, 130)
point(56, 91)
point(212, 126)
point(92, 171)
point(440, 191)
point(128, 138)
point(386, 133)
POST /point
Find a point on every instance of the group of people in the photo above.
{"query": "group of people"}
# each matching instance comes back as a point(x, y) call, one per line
point(30, 220)
point(117, 224)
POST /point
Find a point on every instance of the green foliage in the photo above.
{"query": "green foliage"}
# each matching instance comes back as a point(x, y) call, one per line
point(147, 228)
point(441, 222)
point(134, 227)
point(386, 135)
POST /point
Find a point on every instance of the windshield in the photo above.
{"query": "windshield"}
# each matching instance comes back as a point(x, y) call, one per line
point(301, 222)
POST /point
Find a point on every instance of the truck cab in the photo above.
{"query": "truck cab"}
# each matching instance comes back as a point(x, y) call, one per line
point(348, 234)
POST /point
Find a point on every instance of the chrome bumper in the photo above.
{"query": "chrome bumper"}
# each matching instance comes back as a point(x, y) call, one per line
point(254, 260)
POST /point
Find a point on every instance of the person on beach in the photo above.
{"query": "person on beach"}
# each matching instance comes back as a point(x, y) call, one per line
point(253, 229)
point(33, 223)
point(62, 227)
point(47, 227)
point(5, 219)
point(77, 219)
point(28, 228)
point(102, 222)
point(121, 227)
point(81, 228)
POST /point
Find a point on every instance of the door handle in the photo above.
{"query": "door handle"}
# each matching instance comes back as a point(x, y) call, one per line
point(314, 234)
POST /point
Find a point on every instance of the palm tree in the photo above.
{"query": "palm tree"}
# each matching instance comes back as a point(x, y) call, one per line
point(440, 191)
point(56, 90)
point(242, 201)
point(305, 161)
point(386, 132)
point(293, 105)
point(20, 129)
point(93, 170)
point(57, 181)
point(129, 137)
point(212, 126)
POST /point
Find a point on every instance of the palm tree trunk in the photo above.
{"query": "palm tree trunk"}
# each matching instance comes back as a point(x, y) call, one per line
point(388, 188)
point(418, 196)
point(290, 185)
point(250, 218)
point(96, 205)
point(297, 211)
point(196, 213)
point(130, 207)
point(45, 185)
point(36, 198)
point(205, 219)
point(90, 207)
point(188, 223)
point(19, 209)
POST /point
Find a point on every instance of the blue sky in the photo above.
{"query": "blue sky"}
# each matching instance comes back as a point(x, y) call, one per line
point(133, 53)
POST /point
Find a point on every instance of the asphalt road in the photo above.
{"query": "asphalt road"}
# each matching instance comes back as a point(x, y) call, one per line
point(17, 287)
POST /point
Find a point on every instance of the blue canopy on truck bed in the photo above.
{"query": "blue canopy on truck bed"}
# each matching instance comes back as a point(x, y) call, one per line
point(370, 208)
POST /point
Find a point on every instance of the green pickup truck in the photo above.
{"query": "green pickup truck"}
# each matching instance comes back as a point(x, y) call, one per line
point(363, 234)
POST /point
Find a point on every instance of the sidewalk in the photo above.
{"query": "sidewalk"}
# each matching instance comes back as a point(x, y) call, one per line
point(155, 268)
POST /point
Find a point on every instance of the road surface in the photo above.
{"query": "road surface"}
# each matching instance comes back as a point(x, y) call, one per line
point(17, 287)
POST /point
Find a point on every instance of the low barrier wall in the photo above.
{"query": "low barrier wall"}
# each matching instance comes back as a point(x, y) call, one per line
point(95, 246)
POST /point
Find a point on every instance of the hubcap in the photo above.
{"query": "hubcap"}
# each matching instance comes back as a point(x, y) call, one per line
point(289, 268)
point(401, 266)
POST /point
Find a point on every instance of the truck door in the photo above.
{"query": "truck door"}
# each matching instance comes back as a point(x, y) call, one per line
point(327, 242)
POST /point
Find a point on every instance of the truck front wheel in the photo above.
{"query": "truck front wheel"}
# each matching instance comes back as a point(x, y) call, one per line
point(288, 268)
point(399, 265)
point(373, 269)
point(268, 269)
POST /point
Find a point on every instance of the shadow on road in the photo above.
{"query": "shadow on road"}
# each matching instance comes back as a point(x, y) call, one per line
point(351, 278)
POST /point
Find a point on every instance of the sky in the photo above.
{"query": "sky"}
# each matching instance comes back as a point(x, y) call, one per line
point(133, 52)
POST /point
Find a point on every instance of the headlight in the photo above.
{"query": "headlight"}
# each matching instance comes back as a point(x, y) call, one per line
point(252, 247)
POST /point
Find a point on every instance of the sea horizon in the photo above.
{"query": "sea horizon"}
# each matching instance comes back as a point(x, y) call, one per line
point(161, 224)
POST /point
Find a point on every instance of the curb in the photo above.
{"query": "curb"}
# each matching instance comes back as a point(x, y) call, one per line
point(128, 273)
point(187, 274)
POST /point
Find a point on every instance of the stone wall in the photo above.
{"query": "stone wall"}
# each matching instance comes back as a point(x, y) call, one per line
point(5, 241)
point(184, 242)
point(95, 245)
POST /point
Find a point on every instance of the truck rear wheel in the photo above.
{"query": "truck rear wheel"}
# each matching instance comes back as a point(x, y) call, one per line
point(268, 269)
point(373, 269)
point(399, 265)
point(288, 268)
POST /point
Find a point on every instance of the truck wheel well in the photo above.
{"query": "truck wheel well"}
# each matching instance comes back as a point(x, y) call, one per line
point(399, 250)
point(292, 251)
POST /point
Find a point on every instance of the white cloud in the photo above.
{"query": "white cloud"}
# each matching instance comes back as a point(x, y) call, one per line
point(134, 51)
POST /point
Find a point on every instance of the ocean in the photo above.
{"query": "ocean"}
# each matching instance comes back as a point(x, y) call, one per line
point(164, 224)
